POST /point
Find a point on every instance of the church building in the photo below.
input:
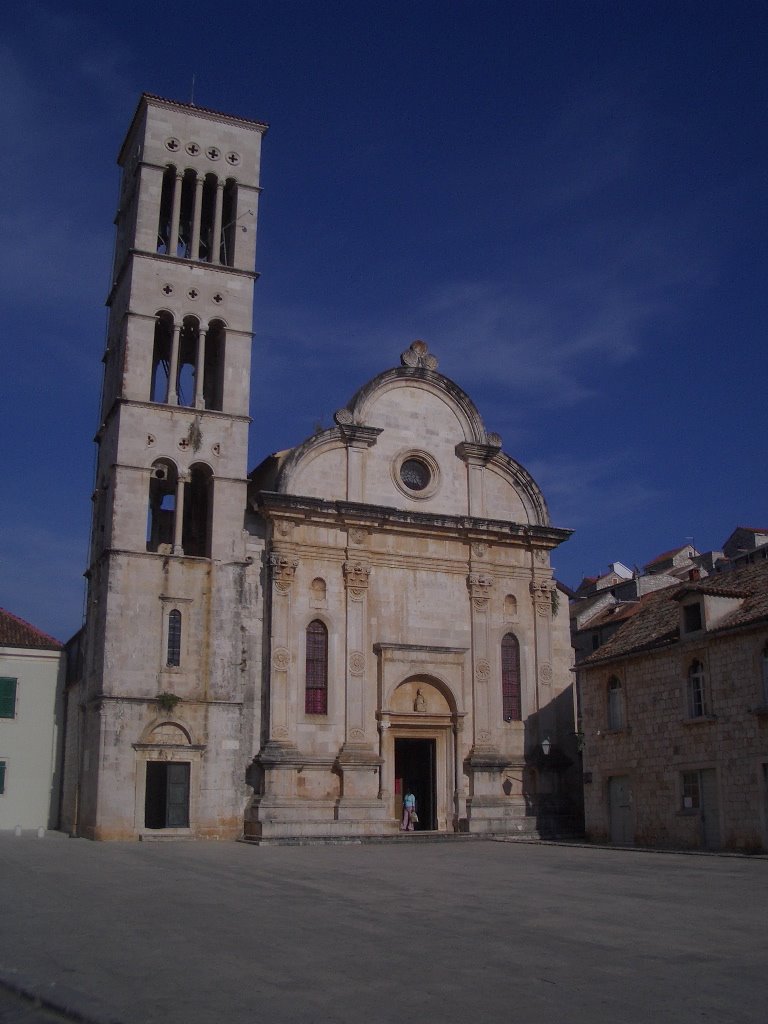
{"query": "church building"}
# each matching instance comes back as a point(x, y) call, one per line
point(283, 654)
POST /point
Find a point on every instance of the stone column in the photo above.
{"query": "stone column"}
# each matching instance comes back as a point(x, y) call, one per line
point(196, 215)
point(282, 675)
point(172, 398)
point(173, 238)
point(216, 240)
point(178, 516)
point(200, 368)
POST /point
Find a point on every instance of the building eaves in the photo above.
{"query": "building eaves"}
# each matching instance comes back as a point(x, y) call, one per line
point(16, 632)
point(656, 623)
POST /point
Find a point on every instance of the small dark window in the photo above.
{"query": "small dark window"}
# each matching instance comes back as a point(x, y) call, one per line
point(691, 617)
point(7, 698)
point(316, 686)
point(595, 641)
point(2, 777)
point(510, 679)
point(174, 638)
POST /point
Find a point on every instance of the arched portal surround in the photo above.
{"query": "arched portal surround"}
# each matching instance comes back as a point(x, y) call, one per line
point(421, 698)
point(167, 778)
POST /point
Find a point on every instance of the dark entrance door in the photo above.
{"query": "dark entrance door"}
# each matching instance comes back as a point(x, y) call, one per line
point(415, 769)
point(166, 804)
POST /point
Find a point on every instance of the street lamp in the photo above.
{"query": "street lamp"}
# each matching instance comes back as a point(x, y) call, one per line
point(546, 746)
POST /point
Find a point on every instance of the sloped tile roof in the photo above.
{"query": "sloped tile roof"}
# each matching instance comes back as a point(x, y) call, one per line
point(656, 622)
point(667, 554)
point(15, 632)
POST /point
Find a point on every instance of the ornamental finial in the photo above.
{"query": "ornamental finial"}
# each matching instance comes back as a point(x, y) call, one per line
point(419, 356)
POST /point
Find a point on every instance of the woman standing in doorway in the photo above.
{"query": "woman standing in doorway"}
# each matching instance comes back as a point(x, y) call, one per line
point(410, 818)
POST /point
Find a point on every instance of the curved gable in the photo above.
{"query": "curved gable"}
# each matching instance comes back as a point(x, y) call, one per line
point(412, 439)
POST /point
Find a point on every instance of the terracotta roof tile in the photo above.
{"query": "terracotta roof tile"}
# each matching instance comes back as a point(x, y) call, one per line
point(15, 632)
point(657, 621)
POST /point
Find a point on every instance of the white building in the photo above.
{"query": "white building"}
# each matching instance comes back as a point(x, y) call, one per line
point(31, 680)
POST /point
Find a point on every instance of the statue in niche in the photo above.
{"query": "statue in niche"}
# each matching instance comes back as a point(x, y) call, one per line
point(419, 704)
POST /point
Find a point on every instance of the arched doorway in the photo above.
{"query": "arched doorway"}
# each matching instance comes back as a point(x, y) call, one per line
point(420, 752)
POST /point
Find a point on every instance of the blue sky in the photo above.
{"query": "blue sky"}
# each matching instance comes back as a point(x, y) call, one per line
point(567, 201)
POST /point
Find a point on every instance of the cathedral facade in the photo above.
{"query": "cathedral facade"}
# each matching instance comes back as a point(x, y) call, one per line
point(283, 654)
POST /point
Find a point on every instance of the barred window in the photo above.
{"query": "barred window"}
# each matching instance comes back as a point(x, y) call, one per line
point(510, 679)
point(174, 638)
point(316, 685)
point(691, 792)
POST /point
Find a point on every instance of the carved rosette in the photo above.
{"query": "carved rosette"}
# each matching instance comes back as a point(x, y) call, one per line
point(545, 673)
point(283, 571)
point(483, 669)
point(541, 592)
point(479, 585)
point(357, 663)
point(281, 659)
point(356, 578)
point(356, 735)
point(356, 535)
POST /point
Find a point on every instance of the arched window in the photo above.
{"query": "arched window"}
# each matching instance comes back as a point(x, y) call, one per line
point(161, 508)
point(697, 706)
point(228, 224)
point(174, 638)
point(510, 679)
point(198, 510)
point(166, 211)
point(213, 369)
point(186, 373)
point(615, 704)
point(316, 685)
point(161, 358)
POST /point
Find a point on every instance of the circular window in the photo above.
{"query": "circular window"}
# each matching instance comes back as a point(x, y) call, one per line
point(415, 473)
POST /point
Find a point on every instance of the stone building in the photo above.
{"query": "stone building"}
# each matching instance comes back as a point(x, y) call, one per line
point(675, 718)
point(282, 653)
point(31, 685)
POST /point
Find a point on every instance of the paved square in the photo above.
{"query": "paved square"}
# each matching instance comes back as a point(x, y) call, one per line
point(447, 932)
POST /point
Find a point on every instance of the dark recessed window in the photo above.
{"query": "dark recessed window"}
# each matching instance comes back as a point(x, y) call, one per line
point(692, 617)
point(415, 474)
point(7, 698)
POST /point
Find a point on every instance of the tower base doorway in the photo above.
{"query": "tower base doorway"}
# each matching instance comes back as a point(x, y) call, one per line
point(415, 770)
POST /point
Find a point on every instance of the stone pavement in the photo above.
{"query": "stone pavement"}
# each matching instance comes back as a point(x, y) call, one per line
point(203, 933)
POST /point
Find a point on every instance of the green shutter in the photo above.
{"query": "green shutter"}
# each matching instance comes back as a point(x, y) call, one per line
point(7, 698)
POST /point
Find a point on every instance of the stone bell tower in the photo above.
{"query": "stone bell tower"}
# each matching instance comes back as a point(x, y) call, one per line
point(164, 738)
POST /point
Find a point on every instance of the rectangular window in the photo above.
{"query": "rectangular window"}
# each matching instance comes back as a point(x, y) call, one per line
point(2, 777)
point(692, 618)
point(691, 791)
point(7, 698)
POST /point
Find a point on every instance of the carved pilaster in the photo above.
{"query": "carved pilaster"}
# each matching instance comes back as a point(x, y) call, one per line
point(479, 585)
point(356, 574)
point(283, 570)
point(541, 594)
